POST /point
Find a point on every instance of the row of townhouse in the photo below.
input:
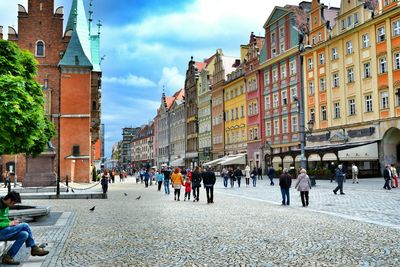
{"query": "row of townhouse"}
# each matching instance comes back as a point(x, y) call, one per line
point(323, 78)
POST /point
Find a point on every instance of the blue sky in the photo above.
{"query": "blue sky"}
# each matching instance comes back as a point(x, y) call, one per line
point(148, 43)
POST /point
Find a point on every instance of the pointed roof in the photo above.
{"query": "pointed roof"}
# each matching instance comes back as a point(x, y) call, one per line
point(78, 52)
point(200, 65)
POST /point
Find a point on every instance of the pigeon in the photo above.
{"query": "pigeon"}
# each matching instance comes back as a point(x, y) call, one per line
point(125, 194)
point(92, 209)
point(72, 190)
point(43, 245)
point(138, 197)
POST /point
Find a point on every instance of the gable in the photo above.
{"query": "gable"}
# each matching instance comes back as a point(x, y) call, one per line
point(277, 13)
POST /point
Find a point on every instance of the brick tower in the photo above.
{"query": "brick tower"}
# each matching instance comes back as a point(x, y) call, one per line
point(69, 71)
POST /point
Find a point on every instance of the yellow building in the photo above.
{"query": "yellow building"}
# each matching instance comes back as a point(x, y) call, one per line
point(235, 110)
point(351, 85)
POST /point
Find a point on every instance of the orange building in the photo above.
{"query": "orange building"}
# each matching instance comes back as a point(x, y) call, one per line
point(69, 71)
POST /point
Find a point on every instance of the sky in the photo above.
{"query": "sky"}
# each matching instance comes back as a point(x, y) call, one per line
point(147, 45)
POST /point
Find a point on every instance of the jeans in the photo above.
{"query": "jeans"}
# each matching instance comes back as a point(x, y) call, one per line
point(177, 192)
point(196, 192)
point(225, 181)
point(339, 187)
point(285, 196)
point(254, 181)
point(304, 198)
point(146, 182)
point(238, 180)
point(387, 186)
point(166, 187)
point(187, 194)
point(272, 180)
point(210, 194)
point(159, 185)
point(21, 233)
point(105, 188)
point(232, 182)
point(247, 181)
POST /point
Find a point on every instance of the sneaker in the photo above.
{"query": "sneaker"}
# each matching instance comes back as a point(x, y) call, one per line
point(334, 192)
point(342, 193)
point(36, 251)
point(8, 260)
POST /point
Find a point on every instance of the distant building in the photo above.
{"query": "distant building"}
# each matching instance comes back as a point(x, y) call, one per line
point(142, 152)
point(128, 134)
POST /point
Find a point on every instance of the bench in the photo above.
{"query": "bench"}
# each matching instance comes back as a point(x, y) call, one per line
point(4, 246)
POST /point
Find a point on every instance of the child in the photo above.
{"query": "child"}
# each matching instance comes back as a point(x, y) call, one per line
point(160, 179)
point(188, 188)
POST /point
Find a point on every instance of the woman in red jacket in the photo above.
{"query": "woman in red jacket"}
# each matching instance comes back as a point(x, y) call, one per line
point(188, 188)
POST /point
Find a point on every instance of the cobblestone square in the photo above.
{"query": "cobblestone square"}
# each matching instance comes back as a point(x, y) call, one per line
point(244, 227)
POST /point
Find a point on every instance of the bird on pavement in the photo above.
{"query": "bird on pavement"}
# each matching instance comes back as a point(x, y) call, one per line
point(92, 209)
point(138, 197)
point(72, 190)
point(125, 194)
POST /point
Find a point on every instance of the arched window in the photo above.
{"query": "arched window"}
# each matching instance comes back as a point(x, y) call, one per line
point(40, 49)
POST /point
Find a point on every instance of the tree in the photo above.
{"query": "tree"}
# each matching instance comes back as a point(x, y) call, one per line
point(24, 127)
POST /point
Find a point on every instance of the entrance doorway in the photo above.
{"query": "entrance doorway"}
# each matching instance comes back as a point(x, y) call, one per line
point(390, 147)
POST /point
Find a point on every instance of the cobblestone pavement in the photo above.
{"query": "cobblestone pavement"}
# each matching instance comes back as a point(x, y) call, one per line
point(245, 227)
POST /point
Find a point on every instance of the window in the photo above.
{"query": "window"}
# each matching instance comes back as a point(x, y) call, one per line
point(283, 71)
point(281, 33)
point(355, 18)
point(237, 113)
point(335, 54)
point(349, 21)
point(343, 24)
point(321, 58)
point(273, 39)
point(382, 65)
point(396, 28)
point(255, 108)
point(396, 61)
point(273, 52)
point(267, 103)
point(251, 137)
point(276, 100)
point(282, 47)
point(322, 84)
point(367, 70)
point(310, 88)
point(310, 63)
point(365, 40)
point(381, 34)
point(397, 96)
point(285, 125)
point(350, 75)
point(295, 125)
point(352, 107)
point(336, 110)
point(314, 40)
point(368, 103)
point(276, 127)
point(384, 100)
point(266, 78)
point(312, 114)
point(39, 49)
point(255, 133)
point(349, 47)
point(268, 129)
point(242, 111)
point(335, 79)
point(293, 93)
point(274, 75)
point(232, 114)
point(292, 68)
point(323, 113)
point(284, 97)
point(319, 37)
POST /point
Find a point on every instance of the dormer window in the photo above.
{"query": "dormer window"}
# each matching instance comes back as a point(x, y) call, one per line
point(40, 49)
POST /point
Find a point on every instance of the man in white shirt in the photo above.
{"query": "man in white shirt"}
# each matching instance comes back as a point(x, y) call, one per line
point(354, 172)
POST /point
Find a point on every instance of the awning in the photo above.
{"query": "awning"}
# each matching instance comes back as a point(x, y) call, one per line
point(235, 159)
point(364, 153)
point(214, 162)
point(177, 163)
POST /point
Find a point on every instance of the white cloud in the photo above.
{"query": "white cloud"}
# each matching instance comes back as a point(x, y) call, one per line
point(172, 80)
point(130, 80)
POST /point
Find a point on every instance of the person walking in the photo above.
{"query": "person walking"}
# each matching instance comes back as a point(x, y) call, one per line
point(160, 179)
point(231, 177)
point(177, 182)
point(146, 178)
point(16, 230)
point(395, 176)
point(167, 178)
point(387, 175)
point(303, 185)
point(271, 175)
point(247, 175)
point(225, 176)
point(285, 181)
point(196, 183)
point(354, 173)
point(238, 175)
point(104, 182)
point(209, 182)
point(259, 173)
point(188, 188)
point(339, 176)
point(253, 176)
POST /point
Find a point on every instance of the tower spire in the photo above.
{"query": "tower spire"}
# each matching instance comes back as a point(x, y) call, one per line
point(99, 26)
point(90, 17)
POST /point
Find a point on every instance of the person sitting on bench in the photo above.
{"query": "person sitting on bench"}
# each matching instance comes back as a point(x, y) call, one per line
point(15, 230)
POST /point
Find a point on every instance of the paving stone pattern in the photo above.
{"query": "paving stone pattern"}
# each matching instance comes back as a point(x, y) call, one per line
point(244, 227)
